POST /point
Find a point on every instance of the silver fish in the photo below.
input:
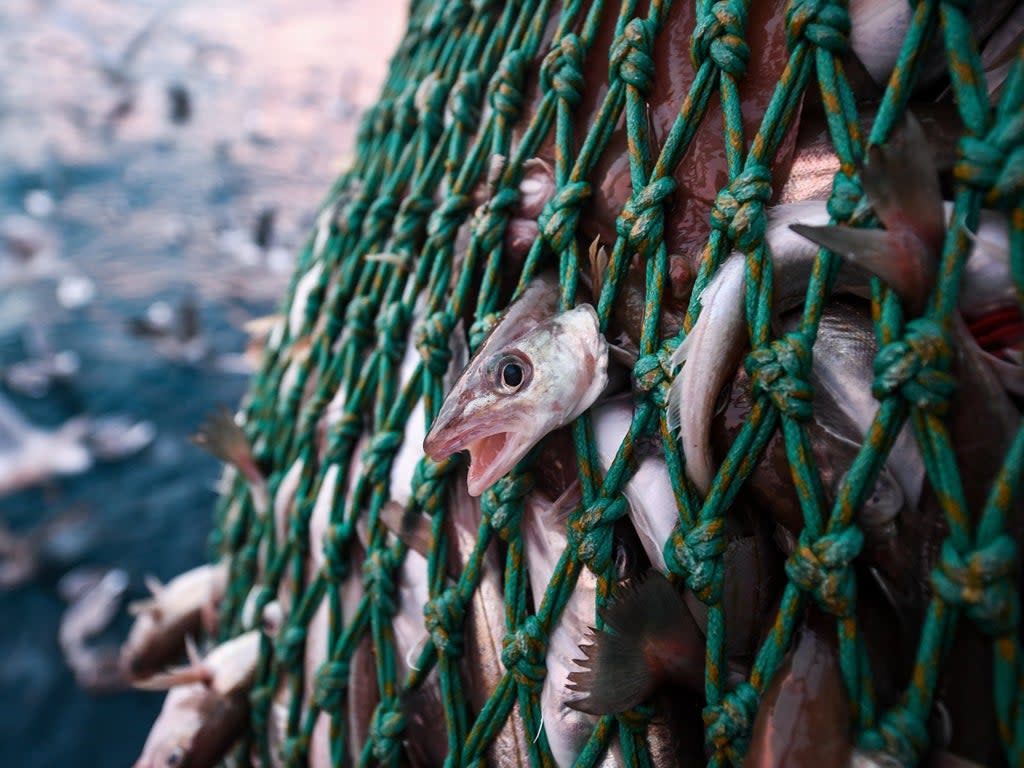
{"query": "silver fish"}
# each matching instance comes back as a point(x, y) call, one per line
point(537, 371)
point(175, 611)
point(544, 540)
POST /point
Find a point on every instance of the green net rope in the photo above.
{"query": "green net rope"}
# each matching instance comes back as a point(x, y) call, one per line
point(429, 132)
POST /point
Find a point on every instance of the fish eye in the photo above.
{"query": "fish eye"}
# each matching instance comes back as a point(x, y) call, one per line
point(512, 374)
point(175, 758)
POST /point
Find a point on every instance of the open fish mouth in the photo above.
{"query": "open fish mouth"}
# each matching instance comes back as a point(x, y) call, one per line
point(493, 452)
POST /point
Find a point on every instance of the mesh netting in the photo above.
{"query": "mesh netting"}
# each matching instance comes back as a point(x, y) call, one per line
point(386, 268)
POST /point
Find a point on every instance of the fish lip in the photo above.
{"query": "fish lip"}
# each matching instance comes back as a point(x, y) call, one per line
point(473, 439)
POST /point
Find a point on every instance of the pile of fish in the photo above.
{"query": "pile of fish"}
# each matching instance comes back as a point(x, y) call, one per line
point(540, 368)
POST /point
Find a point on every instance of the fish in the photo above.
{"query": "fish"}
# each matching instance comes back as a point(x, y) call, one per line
point(544, 539)
point(803, 718)
point(227, 668)
point(652, 510)
point(982, 421)
point(651, 639)
point(714, 346)
point(537, 371)
point(195, 727)
point(30, 455)
point(175, 611)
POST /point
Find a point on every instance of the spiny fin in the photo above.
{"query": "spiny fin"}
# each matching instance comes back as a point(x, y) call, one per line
point(896, 258)
point(902, 184)
point(651, 639)
point(153, 584)
point(192, 652)
point(565, 504)
point(598, 265)
point(411, 527)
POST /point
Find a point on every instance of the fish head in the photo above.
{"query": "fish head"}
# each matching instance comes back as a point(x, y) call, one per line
point(170, 741)
point(517, 390)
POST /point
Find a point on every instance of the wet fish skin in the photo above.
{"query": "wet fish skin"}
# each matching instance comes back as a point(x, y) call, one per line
point(195, 727)
point(175, 611)
point(537, 371)
point(803, 719)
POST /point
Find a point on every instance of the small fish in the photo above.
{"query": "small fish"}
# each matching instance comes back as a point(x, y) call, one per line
point(544, 539)
point(175, 611)
point(651, 639)
point(537, 371)
point(195, 728)
point(30, 456)
point(803, 719)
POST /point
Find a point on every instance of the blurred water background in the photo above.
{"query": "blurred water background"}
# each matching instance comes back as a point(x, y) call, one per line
point(162, 162)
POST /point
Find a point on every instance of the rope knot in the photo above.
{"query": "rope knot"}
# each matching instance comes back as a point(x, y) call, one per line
point(291, 646)
point(739, 208)
point(560, 70)
point(557, 222)
point(590, 531)
point(432, 339)
point(330, 686)
point(719, 36)
point(492, 218)
point(845, 197)
point(449, 214)
point(824, 23)
point(379, 454)
point(523, 653)
point(465, 100)
point(428, 482)
point(429, 102)
point(379, 579)
point(822, 567)
point(994, 165)
point(630, 59)
point(900, 733)
point(727, 725)
point(507, 86)
point(359, 316)
point(296, 750)
point(481, 327)
point(650, 376)
point(917, 367)
point(641, 222)
point(336, 565)
point(386, 730)
point(981, 581)
point(443, 618)
point(391, 330)
point(502, 503)
point(780, 370)
point(697, 556)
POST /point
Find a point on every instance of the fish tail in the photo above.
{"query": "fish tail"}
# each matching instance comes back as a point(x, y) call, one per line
point(225, 440)
point(902, 185)
point(650, 639)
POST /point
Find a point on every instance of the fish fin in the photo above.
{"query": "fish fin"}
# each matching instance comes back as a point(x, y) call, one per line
point(598, 264)
point(902, 184)
point(225, 440)
point(139, 607)
point(622, 355)
point(565, 504)
point(675, 397)
point(650, 638)
point(192, 652)
point(154, 585)
point(175, 676)
point(895, 259)
point(412, 528)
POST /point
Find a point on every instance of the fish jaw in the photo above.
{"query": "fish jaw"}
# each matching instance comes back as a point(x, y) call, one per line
point(566, 364)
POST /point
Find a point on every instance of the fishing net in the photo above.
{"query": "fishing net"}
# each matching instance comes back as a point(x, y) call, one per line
point(387, 239)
